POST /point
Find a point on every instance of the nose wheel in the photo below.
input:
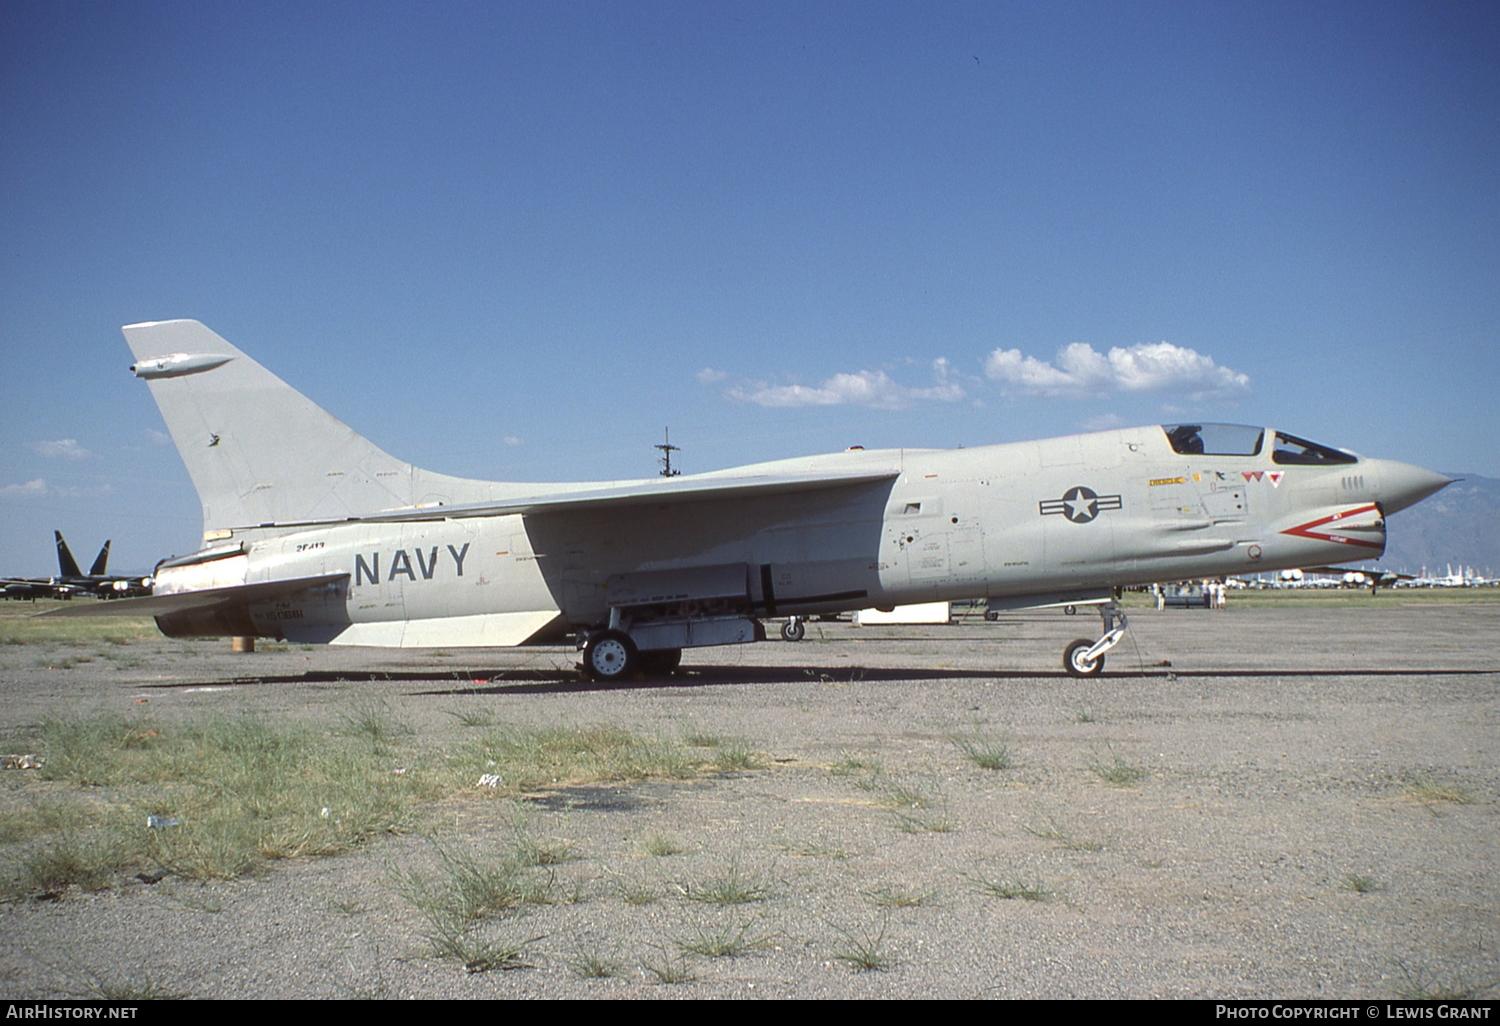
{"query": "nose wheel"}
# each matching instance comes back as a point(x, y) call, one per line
point(1085, 658)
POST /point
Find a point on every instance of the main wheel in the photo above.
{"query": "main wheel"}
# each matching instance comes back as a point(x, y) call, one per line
point(610, 655)
point(1076, 665)
point(793, 630)
point(660, 662)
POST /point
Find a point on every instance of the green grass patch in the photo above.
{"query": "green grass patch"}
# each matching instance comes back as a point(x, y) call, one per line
point(242, 790)
point(1065, 839)
point(470, 885)
point(19, 625)
point(226, 795)
point(660, 846)
point(848, 765)
point(1118, 772)
point(984, 751)
point(902, 897)
point(1431, 787)
point(731, 887)
point(478, 951)
point(590, 965)
point(670, 971)
point(914, 808)
point(534, 759)
point(1420, 982)
point(1009, 889)
point(813, 849)
point(473, 716)
point(723, 942)
point(865, 952)
point(372, 719)
point(736, 757)
point(637, 894)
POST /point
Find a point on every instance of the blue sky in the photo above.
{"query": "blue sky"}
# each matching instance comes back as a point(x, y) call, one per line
point(515, 241)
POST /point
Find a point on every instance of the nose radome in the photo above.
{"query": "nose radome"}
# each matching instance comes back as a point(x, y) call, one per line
point(1403, 485)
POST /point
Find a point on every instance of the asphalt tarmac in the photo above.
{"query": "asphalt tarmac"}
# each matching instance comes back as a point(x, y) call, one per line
point(1313, 814)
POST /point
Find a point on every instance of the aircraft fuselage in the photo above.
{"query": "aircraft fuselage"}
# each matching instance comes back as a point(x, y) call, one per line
point(1059, 517)
point(312, 533)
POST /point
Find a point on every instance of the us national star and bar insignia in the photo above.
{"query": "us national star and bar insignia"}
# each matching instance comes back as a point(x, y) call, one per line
point(1079, 504)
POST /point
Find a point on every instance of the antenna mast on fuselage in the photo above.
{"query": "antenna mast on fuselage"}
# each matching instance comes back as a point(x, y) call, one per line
point(667, 449)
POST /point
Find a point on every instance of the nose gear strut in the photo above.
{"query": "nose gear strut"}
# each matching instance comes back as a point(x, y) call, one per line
point(1085, 658)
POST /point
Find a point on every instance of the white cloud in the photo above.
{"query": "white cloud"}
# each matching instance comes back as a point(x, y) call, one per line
point(512, 440)
point(63, 449)
point(158, 437)
point(709, 376)
point(864, 388)
point(29, 490)
point(1080, 370)
point(39, 488)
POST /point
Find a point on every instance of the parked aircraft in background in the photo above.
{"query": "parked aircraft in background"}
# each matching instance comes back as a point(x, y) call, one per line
point(1348, 577)
point(312, 534)
point(72, 581)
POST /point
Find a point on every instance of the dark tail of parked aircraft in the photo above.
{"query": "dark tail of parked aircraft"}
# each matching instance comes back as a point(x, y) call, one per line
point(101, 562)
point(67, 566)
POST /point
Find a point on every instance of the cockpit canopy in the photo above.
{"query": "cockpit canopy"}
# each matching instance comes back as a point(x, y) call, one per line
point(1242, 440)
point(1214, 439)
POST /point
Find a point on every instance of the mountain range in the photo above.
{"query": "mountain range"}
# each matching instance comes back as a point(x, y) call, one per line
point(1460, 525)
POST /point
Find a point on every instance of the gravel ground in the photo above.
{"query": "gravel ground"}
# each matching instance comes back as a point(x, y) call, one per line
point(1273, 844)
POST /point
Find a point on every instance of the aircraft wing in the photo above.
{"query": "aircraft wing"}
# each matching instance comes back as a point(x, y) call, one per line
point(632, 493)
point(208, 598)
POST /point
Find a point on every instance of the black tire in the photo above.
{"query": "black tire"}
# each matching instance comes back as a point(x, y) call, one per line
point(610, 656)
point(992, 615)
point(793, 630)
point(1070, 610)
point(661, 662)
point(1077, 668)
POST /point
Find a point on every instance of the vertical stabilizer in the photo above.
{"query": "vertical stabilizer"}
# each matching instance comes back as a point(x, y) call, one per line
point(67, 566)
point(259, 452)
point(101, 562)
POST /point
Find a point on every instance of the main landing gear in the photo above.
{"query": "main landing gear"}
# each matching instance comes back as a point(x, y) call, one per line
point(612, 656)
point(1085, 658)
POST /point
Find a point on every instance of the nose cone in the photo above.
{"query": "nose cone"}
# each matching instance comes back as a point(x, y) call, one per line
point(1403, 485)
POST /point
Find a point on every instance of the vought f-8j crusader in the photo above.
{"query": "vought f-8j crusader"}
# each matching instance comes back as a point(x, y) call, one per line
point(312, 534)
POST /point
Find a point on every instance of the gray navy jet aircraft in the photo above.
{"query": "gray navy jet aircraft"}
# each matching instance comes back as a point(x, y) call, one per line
point(312, 534)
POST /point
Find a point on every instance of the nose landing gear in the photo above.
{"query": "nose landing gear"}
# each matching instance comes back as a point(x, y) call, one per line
point(1085, 658)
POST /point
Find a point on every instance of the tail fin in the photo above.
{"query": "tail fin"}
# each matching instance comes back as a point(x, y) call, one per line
point(67, 566)
point(101, 562)
point(260, 452)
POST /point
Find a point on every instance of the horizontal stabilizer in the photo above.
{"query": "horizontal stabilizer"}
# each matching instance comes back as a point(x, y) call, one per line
point(199, 601)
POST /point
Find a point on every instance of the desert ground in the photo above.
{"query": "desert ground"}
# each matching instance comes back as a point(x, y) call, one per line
point(1287, 798)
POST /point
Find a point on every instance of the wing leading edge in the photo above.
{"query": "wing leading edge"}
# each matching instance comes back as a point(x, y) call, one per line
point(634, 493)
